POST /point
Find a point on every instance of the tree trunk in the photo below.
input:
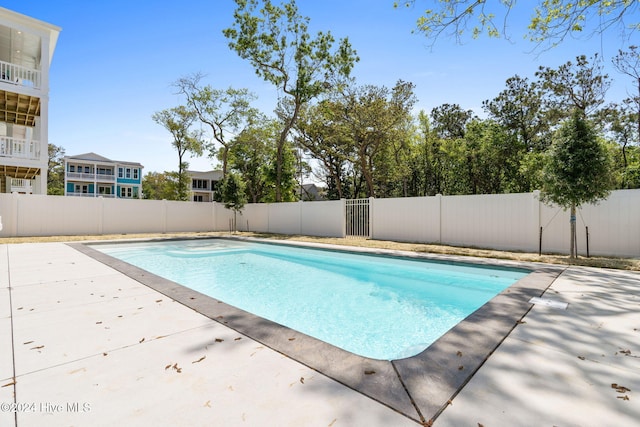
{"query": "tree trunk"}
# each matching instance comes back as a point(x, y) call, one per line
point(572, 222)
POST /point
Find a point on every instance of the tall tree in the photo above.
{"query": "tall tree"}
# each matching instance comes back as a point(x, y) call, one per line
point(581, 86)
point(178, 122)
point(450, 120)
point(277, 43)
point(628, 62)
point(373, 116)
point(520, 109)
point(578, 169)
point(551, 20)
point(55, 174)
point(225, 112)
point(321, 134)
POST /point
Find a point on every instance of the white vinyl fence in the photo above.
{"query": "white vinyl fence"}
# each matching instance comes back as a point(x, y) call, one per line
point(504, 221)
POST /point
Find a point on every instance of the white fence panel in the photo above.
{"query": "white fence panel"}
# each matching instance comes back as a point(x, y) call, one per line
point(197, 216)
point(255, 217)
point(222, 217)
point(40, 215)
point(284, 218)
point(324, 219)
point(614, 225)
point(133, 216)
point(411, 219)
point(500, 221)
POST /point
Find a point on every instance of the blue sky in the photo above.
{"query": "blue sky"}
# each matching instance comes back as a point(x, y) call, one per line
point(115, 61)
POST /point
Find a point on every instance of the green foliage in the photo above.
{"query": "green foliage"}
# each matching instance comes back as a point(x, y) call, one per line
point(578, 168)
point(232, 190)
point(551, 20)
point(160, 186)
point(450, 120)
point(572, 86)
point(520, 109)
point(55, 172)
point(326, 139)
point(250, 154)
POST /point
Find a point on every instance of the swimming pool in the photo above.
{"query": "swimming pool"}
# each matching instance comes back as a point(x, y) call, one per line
point(374, 306)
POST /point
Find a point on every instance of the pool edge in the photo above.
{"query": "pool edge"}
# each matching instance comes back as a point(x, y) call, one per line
point(418, 387)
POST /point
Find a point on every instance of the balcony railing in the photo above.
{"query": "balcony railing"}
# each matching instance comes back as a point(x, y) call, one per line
point(19, 148)
point(106, 196)
point(20, 185)
point(19, 75)
point(91, 177)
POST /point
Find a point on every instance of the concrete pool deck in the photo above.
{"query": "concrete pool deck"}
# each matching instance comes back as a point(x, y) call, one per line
point(83, 344)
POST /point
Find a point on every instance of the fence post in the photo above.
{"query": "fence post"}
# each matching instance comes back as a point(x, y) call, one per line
point(439, 199)
point(537, 218)
point(15, 217)
point(164, 216)
point(370, 225)
point(101, 215)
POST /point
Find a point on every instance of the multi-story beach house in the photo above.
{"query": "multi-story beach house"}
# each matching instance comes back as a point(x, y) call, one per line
point(26, 49)
point(92, 175)
point(204, 185)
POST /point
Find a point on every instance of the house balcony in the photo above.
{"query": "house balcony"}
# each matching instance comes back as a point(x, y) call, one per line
point(91, 177)
point(19, 148)
point(18, 75)
point(106, 196)
point(19, 185)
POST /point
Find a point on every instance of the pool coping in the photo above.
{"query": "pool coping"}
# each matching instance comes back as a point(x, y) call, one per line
point(419, 387)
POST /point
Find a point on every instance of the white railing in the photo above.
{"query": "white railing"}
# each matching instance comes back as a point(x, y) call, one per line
point(19, 148)
point(19, 75)
point(91, 176)
point(106, 196)
point(20, 185)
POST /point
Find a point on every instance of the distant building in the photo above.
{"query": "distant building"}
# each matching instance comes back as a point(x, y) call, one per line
point(204, 185)
point(311, 192)
point(26, 49)
point(91, 175)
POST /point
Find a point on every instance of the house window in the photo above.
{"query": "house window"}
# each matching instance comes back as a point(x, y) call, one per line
point(120, 173)
point(104, 190)
point(86, 169)
point(128, 173)
point(199, 184)
point(197, 198)
point(135, 173)
point(72, 168)
point(126, 193)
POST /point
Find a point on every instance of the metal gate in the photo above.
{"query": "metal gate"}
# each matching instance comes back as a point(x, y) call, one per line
point(357, 218)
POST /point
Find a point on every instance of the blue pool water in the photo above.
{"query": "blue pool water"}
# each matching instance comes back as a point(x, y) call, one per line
point(375, 306)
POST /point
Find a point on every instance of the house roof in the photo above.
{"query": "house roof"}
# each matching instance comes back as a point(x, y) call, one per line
point(93, 157)
point(216, 174)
